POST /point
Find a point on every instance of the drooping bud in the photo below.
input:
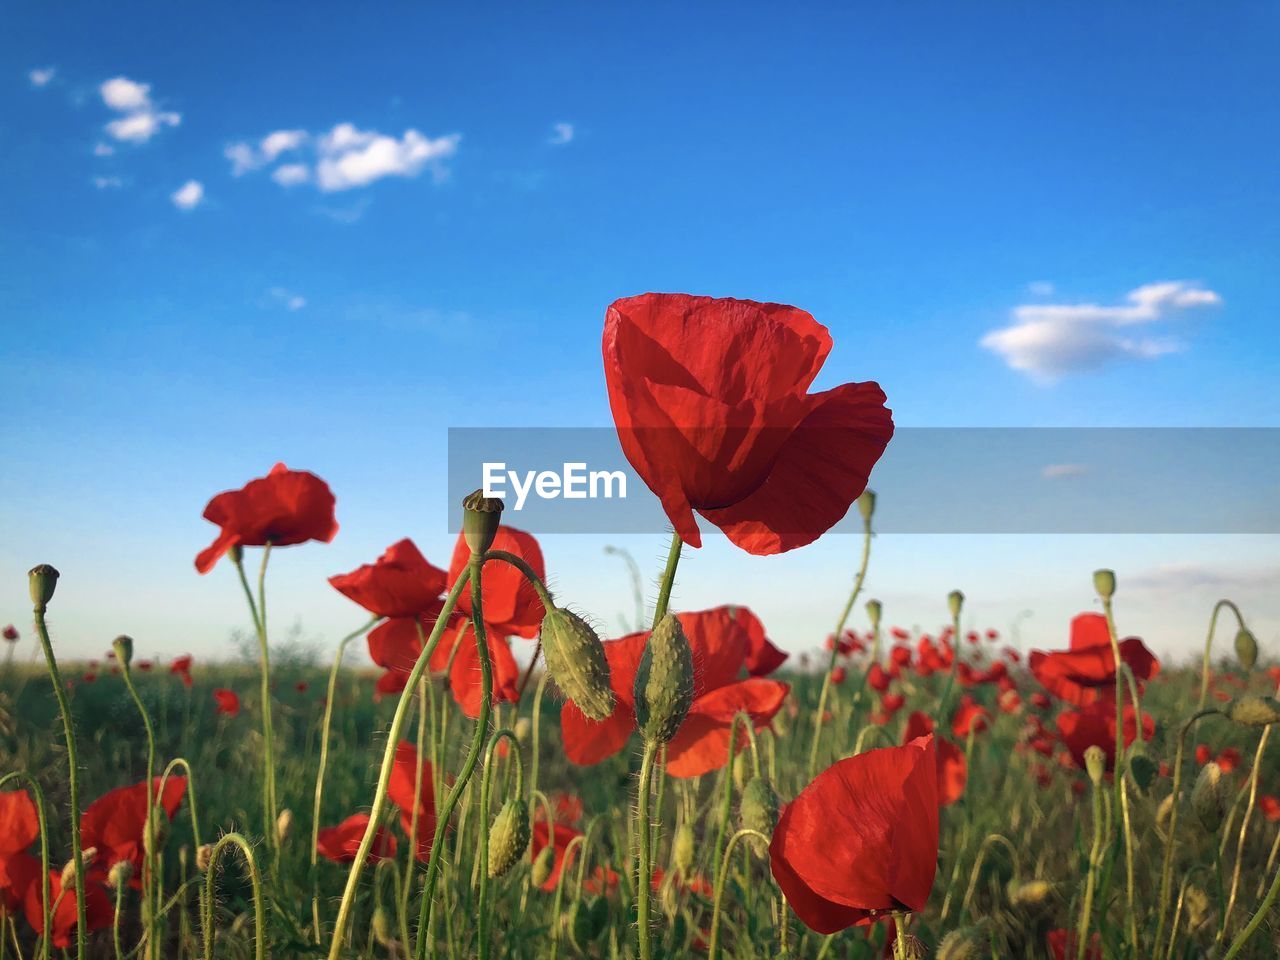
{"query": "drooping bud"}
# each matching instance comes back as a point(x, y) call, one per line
point(284, 827)
point(123, 647)
point(955, 602)
point(1208, 798)
point(523, 727)
point(383, 932)
point(1104, 581)
point(87, 856)
point(576, 662)
point(664, 681)
point(1246, 648)
point(119, 875)
point(542, 865)
point(42, 579)
point(204, 853)
point(682, 849)
point(1252, 710)
point(874, 610)
point(867, 505)
point(758, 810)
point(481, 517)
point(508, 837)
point(965, 943)
point(155, 835)
point(741, 771)
point(1029, 895)
point(1095, 763)
point(1140, 767)
point(1164, 813)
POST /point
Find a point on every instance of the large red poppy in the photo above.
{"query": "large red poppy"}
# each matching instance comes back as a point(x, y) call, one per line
point(1082, 674)
point(862, 839)
point(511, 605)
point(400, 583)
point(710, 399)
point(719, 643)
point(762, 656)
point(19, 829)
point(283, 508)
point(953, 769)
point(341, 843)
point(400, 790)
point(99, 913)
point(1095, 726)
point(115, 824)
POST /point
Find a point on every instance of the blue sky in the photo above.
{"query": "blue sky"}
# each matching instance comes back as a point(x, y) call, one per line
point(1008, 215)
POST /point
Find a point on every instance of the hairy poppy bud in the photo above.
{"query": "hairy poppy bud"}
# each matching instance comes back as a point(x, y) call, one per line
point(1199, 909)
point(1029, 895)
point(874, 609)
point(664, 681)
point(758, 810)
point(87, 856)
point(966, 943)
point(382, 930)
point(867, 505)
point(576, 662)
point(1095, 763)
point(1246, 648)
point(523, 727)
point(284, 826)
point(508, 837)
point(1252, 710)
point(955, 602)
point(1104, 581)
point(154, 836)
point(119, 875)
point(481, 517)
point(1163, 814)
point(682, 849)
point(123, 647)
point(1140, 767)
point(1208, 798)
point(204, 853)
point(542, 865)
point(42, 579)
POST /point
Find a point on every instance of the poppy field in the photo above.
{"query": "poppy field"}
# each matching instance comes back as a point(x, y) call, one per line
point(506, 782)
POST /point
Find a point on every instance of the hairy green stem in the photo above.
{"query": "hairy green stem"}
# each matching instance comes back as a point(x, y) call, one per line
point(258, 610)
point(259, 913)
point(713, 949)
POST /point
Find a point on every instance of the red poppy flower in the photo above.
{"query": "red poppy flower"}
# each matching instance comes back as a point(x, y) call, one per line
point(568, 808)
point(144, 666)
point(511, 605)
point(862, 839)
point(10, 633)
point(1203, 754)
point(838, 675)
point(99, 913)
point(400, 583)
point(970, 716)
point(115, 823)
point(1229, 759)
point(1095, 725)
point(302, 686)
point(1270, 807)
point(17, 872)
point(89, 677)
point(19, 825)
point(1063, 945)
point(1039, 700)
point(1009, 701)
point(711, 405)
point(762, 656)
point(1085, 672)
point(877, 679)
point(227, 702)
point(900, 656)
point(953, 769)
point(891, 703)
point(283, 508)
point(341, 843)
point(900, 633)
point(719, 644)
point(694, 884)
point(181, 668)
point(400, 790)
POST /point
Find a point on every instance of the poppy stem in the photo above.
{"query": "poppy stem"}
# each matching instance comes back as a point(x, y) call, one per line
point(644, 861)
point(668, 580)
point(835, 647)
point(576, 843)
point(326, 723)
point(486, 783)
point(713, 948)
point(726, 807)
point(151, 897)
point(1244, 830)
point(259, 914)
point(1205, 664)
point(73, 771)
point(115, 921)
point(42, 820)
point(1095, 856)
point(1264, 909)
point(347, 903)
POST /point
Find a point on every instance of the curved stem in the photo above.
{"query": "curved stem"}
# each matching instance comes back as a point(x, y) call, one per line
point(576, 843)
point(1095, 855)
point(115, 921)
point(726, 806)
point(977, 868)
point(73, 764)
point(259, 914)
point(536, 734)
point(41, 819)
point(1208, 647)
point(1244, 830)
point(868, 730)
point(713, 949)
point(486, 777)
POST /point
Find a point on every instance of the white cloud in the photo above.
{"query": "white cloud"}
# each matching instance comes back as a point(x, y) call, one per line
point(107, 183)
point(291, 174)
point(561, 133)
point(1055, 471)
point(41, 76)
point(1040, 288)
point(286, 298)
point(280, 141)
point(244, 156)
point(141, 120)
point(103, 149)
point(1049, 340)
point(188, 196)
point(125, 95)
point(350, 157)
point(142, 126)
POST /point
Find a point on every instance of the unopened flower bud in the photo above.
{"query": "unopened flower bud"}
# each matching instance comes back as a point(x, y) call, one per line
point(542, 865)
point(1104, 581)
point(966, 943)
point(867, 505)
point(204, 853)
point(1164, 813)
point(955, 602)
point(1246, 648)
point(481, 517)
point(1208, 797)
point(284, 827)
point(682, 844)
point(664, 682)
point(119, 875)
point(758, 810)
point(42, 579)
point(1140, 767)
point(87, 856)
point(382, 930)
point(576, 662)
point(1199, 909)
point(1252, 710)
point(874, 609)
point(154, 836)
point(235, 553)
point(524, 726)
point(1095, 763)
point(1029, 895)
point(508, 836)
point(123, 647)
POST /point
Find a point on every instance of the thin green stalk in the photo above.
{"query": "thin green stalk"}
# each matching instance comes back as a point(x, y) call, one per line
point(407, 885)
point(115, 921)
point(575, 843)
point(536, 732)
point(259, 914)
point(668, 579)
point(1260, 915)
point(977, 868)
point(1208, 647)
point(644, 865)
point(1095, 854)
point(726, 806)
point(1244, 831)
point(485, 786)
point(150, 880)
point(713, 949)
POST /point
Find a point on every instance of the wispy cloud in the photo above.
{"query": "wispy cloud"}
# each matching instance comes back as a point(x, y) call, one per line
point(141, 119)
point(1056, 471)
point(1047, 341)
point(561, 133)
point(1182, 577)
point(282, 297)
point(41, 76)
point(188, 196)
point(245, 156)
point(103, 149)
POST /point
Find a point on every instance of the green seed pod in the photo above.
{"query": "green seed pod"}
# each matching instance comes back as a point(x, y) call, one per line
point(542, 865)
point(284, 826)
point(1246, 648)
point(481, 517)
point(576, 662)
point(874, 611)
point(1095, 763)
point(741, 770)
point(955, 603)
point(1139, 766)
point(867, 505)
point(1104, 581)
point(664, 682)
point(42, 579)
point(123, 647)
point(758, 810)
point(1252, 710)
point(508, 837)
point(682, 849)
point(1208, 798)
point(966, 943)
point(119, 875)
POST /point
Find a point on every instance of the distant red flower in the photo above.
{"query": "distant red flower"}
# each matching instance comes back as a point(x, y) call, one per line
point(144, 665)
point(900, 656)
point(115, 823)
point(283, 508)
point(1095, 726)
point(838, 675)
point(560, 837)
point(1229, 759)
point(877, 679)
point(710, 401)
point(341, 843)
point(404, 775)
point(862, 839)
point(1203, 754)
point(1064, 945)
point(181, 668)
point(891, 703)
point(970, 716)
point(89, 677)
point(1039, 700)
point(227, 702)
point(1087, 671)
point(1270, 807)
point(696, 883)
point(900, 633)
point(10, 633)
point(568, 808)
point(99, 913)
point(719, 643)
point(953, 769)
point(1009, 701)
point(19, 825)
point(302, 686)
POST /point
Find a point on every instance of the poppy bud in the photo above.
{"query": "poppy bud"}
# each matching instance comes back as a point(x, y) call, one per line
point(955, 601)
point(741, 771)
point(1208, 798)
point(576, 662)
point(664, 682)
point(153, 838)
point(481, 517)
point(1104, 581)
point(1246, 648)
point(1163, 813)
point(87, 856)
point(874, 610)
point(966, 943)
point(682, 849)
point(1140, 767)
point(1095, 763)
point(204, 853)
point(42, 579)
point(867, 505)
point(119, 875)
point(758, 810)
point(1199, 910)
point(123, 647)
point(1029, 895)
point(542, 865)
point(284, 826)
point(382, 931)
point(913, 948)
point(508, 837)
point(236, 553)
point(1252, 710)
point(524, 726)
